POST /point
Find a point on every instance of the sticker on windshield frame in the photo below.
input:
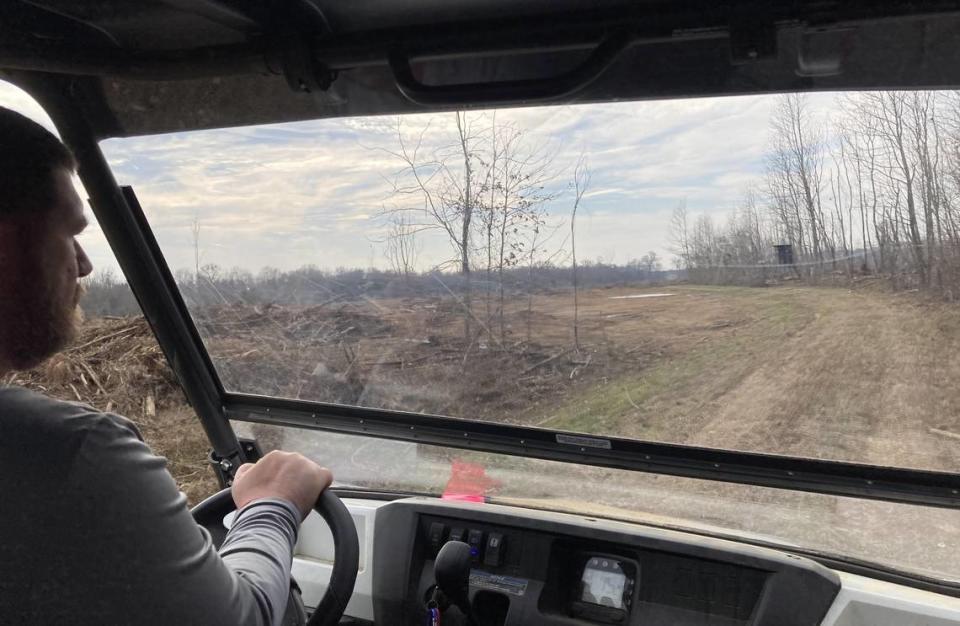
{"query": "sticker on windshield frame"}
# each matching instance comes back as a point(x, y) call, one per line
point(585, 442)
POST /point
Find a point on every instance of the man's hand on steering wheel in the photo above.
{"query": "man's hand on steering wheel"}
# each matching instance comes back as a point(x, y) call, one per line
point(286, 475)
point(299, 480)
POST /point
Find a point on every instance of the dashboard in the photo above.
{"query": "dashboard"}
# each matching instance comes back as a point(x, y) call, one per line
point(539, 567)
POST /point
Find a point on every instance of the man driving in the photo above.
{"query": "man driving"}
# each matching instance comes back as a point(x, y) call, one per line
point(93, 529)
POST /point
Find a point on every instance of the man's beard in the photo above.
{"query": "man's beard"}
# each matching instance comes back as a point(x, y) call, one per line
point(42, 326)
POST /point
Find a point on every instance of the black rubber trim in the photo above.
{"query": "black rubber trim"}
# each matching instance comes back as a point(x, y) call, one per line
point(909, 486)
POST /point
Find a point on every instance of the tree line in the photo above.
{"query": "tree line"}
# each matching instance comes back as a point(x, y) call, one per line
point(874, 188)
point(107, 294)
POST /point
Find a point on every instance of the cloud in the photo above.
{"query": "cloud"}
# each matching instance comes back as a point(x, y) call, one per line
point(302, 193)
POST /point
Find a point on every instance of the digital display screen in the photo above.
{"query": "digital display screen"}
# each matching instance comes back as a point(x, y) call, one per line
point(603, 583)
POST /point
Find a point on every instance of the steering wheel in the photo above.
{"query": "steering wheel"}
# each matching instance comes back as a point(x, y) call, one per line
point(346, 549)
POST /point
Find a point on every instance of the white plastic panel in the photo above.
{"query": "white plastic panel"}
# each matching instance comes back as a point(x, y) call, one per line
point(316, 541)
point(868, 602)
point(313, 558)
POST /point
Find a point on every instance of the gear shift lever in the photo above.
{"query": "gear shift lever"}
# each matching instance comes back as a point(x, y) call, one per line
point(451, 570)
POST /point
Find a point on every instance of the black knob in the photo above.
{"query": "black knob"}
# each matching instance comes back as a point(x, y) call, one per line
point(451, 570)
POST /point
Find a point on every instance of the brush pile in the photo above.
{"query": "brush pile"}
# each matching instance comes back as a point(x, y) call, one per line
point(116, 365)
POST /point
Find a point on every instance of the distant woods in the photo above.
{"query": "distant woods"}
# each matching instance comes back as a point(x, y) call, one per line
point(109, 295)
point(873, 188)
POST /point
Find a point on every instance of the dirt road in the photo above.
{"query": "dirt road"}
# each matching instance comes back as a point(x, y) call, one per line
point(867, 379)
point(827, 373)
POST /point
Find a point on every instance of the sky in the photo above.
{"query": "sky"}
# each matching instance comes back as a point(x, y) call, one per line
point(316, 193)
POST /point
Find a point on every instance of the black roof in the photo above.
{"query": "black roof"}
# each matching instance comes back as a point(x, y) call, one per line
point(150, 66)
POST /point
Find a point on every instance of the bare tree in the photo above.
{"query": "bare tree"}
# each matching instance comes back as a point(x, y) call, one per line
point(862, 149)
point(581, 182)
point(489, 215)
point(195, 229)
point(444, 186)
point(525, 169)
point(464, 196)
point(795, 173)
point(887, 114)
point(402, 245)
point(881, 189)
point(922, 107)
point(651, 262)
point(679, 234)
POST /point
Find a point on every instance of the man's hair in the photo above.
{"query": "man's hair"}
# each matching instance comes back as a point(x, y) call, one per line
point(29, 154)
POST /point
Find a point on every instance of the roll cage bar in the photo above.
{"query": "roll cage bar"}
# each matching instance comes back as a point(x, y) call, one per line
point(72, 92)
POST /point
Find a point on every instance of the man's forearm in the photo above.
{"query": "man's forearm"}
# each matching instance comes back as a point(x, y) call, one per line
point(259, 548)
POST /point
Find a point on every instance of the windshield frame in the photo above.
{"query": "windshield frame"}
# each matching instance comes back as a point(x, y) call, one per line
point(891, 484)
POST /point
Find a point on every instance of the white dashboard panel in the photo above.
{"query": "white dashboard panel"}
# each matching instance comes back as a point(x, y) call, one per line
point(867, 602)
point(313, 558)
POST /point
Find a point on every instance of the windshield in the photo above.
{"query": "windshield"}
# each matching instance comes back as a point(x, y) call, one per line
point(769, 274)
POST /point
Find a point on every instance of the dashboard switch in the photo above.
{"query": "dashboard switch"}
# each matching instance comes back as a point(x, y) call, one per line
point(456, 534)
point(492, 556)
point(475, 539)
point(436, 536)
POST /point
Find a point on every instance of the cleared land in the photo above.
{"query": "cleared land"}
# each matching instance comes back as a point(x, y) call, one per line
point(857, 375)
point(851, 374)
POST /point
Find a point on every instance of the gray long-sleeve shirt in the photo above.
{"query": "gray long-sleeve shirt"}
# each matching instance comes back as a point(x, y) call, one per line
point(93, 530)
